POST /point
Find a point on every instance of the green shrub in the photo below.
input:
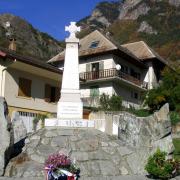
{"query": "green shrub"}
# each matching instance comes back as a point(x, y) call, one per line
point(160, 167)
point(167, 92)
point(139, 112)
point(113, 103)
point(104, 102)
point(176, 152)
point(175, 118)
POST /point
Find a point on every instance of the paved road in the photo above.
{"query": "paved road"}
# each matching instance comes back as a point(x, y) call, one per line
point(94, 178)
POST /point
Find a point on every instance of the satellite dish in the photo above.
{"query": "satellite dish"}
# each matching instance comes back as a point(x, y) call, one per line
point(118, 67)
point(7, 24)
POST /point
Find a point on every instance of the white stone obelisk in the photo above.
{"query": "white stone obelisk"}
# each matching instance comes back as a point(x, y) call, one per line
point(70, 105)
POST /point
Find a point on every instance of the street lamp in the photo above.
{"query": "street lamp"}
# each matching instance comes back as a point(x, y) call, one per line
point(118, 67)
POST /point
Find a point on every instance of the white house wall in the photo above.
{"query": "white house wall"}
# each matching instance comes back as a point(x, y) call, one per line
point(106, 88)
point(36, 102)
point(127, 95)
point(150, 76)
point(107, 59)
point(119, 60)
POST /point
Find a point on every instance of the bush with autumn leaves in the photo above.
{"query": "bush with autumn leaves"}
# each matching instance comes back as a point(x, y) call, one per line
point(167, 92)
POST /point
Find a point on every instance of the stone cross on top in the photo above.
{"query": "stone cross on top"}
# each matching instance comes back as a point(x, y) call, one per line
point(73, 29)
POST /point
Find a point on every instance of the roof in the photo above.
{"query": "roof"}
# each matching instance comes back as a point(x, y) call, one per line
point(141, 50)
point(28, 60)
point(84, 46)
point(104, 45)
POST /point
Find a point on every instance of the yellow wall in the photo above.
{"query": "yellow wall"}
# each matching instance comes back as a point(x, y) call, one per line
point(36, 103)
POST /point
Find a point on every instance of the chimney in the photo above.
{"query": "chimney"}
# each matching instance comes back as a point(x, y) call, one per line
point(12, 44)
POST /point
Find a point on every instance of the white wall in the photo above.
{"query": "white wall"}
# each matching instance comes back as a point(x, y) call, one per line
point(119, 60)
point(150, 77)
point(105, 87)
point(126, 93)
point(36, 102)
point(107, 59)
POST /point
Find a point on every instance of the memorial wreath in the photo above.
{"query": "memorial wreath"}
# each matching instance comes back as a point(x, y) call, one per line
point(59, 166)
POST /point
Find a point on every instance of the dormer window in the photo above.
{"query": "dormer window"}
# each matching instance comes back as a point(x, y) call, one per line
point(94, 44)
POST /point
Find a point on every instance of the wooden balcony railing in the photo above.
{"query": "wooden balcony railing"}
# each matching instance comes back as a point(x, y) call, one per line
point(109, 73)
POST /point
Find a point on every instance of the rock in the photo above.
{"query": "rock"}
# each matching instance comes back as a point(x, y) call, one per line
point(45, 141)
point(19, 128)
point(80, 156)
point(94, 168)
point(127, 11)
point(124, 171)
point(149, 132)
point(109, 150)
point(88, 145)
point(5, 135)
point(137, 160)
point(163, 113)
point(59, 141)
point(96, 153)
point(108, 168)
point(145, 27)
point(38, 158)
point(124, 151)
point(51, 134)
point(104, 144)
point(98, 16)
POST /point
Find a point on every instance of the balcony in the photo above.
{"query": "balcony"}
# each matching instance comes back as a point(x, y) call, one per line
point(111, 73)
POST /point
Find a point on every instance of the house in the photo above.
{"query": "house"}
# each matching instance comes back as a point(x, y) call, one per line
point(30, 86)
point(105, 67)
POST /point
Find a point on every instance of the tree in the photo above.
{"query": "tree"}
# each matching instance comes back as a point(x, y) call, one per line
point(113, 103)
point(167, 92)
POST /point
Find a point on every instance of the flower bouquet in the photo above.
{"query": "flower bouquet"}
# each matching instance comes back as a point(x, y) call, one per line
point(60, 167)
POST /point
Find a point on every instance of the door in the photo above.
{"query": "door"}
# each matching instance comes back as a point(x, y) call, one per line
point(95, 70)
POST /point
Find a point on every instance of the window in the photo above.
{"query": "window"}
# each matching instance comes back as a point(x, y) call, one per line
point(134, 95)
point(94, 91)
point(95, 70)
point(94, 44)
point(95, 67)
point(52, 94)
point(124, 69)
point(135, 74)
point(24, 87)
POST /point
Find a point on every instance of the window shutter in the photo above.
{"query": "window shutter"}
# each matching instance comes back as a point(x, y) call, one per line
point(24, 87)
point(47, 97)
point(101, 65)
point(20, 91)
point(94, 91)
point(57, 95)
point(88, 67)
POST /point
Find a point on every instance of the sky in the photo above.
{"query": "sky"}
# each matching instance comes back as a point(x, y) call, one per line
point(50, 16)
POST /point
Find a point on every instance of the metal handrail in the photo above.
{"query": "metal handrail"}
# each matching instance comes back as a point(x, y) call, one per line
point(108, 73)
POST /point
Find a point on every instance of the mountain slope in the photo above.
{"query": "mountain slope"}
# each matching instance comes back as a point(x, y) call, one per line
point(29, 40)
point(155, 21)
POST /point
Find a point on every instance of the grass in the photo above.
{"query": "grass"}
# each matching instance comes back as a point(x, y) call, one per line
point(176, 143)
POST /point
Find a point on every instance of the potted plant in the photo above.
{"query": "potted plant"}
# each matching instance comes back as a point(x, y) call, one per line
point(60, 167)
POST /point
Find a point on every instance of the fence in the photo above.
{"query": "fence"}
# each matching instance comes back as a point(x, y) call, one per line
point(27, 118)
